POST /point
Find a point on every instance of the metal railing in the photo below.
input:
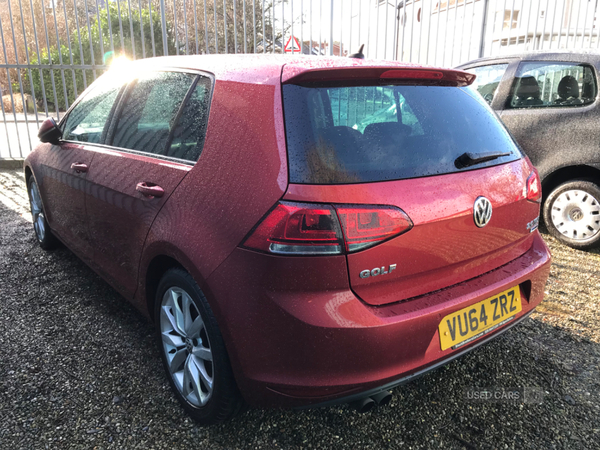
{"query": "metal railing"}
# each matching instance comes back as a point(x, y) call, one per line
point(53, 49)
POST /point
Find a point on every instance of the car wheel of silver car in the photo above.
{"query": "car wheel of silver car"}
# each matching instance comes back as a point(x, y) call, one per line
point(40, 224)
point(572, 214)
point(193, 351)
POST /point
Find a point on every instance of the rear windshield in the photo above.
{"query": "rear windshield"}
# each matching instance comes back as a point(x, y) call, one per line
point(338, 135)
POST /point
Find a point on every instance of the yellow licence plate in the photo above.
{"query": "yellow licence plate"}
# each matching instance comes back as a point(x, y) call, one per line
point(466, 325)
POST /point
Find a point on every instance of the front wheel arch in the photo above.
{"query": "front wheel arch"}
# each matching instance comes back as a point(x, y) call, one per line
point(42, 230)
point(28, 174)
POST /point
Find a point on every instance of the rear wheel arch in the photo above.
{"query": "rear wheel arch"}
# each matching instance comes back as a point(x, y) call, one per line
point(203, 382)
point(154, 271)
point(569, 173)
point(157, 267)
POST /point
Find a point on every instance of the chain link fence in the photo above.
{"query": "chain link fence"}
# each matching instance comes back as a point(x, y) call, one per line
point(53, 49)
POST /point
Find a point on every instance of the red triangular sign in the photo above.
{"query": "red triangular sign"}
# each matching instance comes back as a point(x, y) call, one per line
point(293, 45)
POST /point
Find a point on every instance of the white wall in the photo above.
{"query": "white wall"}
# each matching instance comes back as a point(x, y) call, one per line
point(430, 32)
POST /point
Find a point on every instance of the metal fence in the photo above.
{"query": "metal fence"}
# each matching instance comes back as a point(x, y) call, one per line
point(53, 49)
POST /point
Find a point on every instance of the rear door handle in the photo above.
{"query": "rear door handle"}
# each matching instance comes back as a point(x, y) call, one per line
point(149, 190)
point(79, 167)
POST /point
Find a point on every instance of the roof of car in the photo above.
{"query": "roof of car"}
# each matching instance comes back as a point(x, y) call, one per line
point(591, 56)
point(255, 67)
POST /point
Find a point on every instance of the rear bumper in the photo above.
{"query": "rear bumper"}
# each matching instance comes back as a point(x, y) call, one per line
point(297, 336)
point(419, 373)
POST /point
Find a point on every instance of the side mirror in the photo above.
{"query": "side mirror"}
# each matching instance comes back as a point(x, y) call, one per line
point(49, 132)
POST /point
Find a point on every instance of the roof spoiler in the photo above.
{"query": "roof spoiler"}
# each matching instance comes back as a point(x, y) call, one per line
point(357, 75)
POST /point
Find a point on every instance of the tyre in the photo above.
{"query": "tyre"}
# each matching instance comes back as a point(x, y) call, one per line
point(193, 351)
point(572, 214)
point(43, 232)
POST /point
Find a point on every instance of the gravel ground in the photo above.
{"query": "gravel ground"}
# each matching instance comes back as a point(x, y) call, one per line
point(79, 369)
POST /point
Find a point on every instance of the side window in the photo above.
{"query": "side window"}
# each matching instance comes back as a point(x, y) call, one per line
point(488, 79)
point(149, 111)
point(86, 121)
point(553, 84)
point(190, 129)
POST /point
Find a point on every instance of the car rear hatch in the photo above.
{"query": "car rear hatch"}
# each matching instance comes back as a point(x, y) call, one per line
point(410, 162)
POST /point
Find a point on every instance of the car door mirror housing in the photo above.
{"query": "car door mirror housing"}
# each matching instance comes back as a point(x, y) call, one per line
point(49, 132)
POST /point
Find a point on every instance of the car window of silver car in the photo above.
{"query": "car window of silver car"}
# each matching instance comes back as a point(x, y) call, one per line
point(488, 79)
point(552, 84)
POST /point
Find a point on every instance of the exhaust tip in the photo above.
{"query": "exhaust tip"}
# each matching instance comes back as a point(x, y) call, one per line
point(382, 398)
point(363, 405)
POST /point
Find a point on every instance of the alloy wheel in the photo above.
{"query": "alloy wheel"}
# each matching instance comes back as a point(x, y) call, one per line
point(186, 346)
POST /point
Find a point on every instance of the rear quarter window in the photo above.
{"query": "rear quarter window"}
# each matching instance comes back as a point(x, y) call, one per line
point(338, 135)
point(190, 129)
point(488, 79)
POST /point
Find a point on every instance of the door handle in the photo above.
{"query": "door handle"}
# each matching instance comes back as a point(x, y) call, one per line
point(79, 167)
point(149, 190)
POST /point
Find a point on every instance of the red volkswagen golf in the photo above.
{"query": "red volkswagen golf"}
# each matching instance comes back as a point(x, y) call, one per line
point(302, 231)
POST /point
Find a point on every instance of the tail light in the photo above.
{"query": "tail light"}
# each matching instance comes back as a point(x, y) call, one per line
point(364, 227)
point(298, 228)
point(534, 187)
point(311, 229)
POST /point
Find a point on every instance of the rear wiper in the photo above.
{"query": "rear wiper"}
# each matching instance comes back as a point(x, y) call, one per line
point(468, 159)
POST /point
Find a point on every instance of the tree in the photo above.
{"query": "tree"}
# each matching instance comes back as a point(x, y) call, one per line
point(234, 26)
point(105, 39)
point(90, 32)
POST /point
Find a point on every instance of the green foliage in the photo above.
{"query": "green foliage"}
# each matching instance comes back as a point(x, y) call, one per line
point(98, 45)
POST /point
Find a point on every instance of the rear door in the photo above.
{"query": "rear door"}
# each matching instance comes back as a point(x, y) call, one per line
point(401, 146)
point(155, 140)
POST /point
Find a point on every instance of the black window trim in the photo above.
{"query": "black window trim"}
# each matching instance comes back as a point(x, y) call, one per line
point(109, 126)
